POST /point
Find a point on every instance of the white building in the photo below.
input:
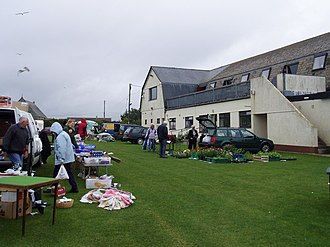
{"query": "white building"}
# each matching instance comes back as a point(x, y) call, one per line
point(283, 95)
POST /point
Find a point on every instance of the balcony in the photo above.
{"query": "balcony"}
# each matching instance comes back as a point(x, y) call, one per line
point(215, 95)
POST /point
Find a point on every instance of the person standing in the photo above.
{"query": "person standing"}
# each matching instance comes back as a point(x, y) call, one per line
point(82, 129)
point(151, 136)
point(162, 132)
point(63, 153)
point(16, 141)
point(192, 138)
point(69, 128)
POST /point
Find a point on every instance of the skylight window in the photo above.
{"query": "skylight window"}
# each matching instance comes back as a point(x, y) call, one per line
point(319, 62)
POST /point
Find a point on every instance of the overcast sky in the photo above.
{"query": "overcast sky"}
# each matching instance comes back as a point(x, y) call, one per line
point(82, 52)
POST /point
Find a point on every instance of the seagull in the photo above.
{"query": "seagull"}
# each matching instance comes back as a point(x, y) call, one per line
point(23, 70)
point(22, 13)
point(19, 54)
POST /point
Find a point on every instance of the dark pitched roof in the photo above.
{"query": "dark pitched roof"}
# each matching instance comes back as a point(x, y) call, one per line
point(179, 81)
point(34, 109)
point(184, 76)
point(291, 52)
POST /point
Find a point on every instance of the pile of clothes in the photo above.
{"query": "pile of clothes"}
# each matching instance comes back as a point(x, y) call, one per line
point(109, 199)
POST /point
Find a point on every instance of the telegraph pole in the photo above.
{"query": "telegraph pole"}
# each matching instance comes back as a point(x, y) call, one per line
point(129, 101)
point(104, 109)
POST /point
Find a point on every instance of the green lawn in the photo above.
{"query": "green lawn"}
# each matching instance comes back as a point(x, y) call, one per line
point(183, 202)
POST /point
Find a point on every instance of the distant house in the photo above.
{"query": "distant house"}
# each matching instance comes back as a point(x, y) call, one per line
point(283, 94)
point(30, 107)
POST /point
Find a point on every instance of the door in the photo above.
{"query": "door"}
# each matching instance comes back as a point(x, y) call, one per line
point(249, 140)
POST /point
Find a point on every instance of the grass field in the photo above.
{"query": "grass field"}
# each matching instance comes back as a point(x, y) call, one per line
point(182, 202)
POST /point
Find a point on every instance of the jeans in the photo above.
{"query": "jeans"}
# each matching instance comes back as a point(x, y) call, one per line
point(151, 144)
point(162, 148)
point(16, 159)
point(72, 181)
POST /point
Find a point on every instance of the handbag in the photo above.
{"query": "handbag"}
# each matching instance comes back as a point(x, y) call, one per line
point(62, 173)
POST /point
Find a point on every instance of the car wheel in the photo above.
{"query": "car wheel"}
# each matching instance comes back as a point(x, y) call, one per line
point(140, 141)
point(265, 147)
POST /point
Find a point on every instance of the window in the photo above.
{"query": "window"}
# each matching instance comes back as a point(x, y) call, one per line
point(145, 122)
point(188, 122)
point(265, 73)
point(319, 61)
point(290, 68)
point(235, 133)
point(245, 77)
point(151, 120)
point(245, 119)
point(228, 82)
point(172, 123)
point(224, 119)
point(213, 84)
point(247, 134)
point(222, 132)
point(158, 120)
point(153, 93)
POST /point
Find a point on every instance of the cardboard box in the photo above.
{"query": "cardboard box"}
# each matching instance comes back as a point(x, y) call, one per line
point(97, 183)
point(8, 203)
point(8, 209)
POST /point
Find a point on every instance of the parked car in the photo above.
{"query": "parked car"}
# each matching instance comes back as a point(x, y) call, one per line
point(9, 116)
point(238, 137)
point(122, 129)
point(135, 134)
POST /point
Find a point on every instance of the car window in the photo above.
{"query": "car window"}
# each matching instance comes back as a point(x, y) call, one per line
point(247, 134)
point(127, 130)
point(136, 130)
point(235, 133)
point(222, 132)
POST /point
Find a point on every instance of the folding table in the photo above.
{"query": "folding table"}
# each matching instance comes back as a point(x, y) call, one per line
point(25, 183)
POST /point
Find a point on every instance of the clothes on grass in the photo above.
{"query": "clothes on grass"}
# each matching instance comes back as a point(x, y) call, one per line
point(109, 199)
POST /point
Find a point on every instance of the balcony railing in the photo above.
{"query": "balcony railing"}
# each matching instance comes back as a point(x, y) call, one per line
point(221, 94)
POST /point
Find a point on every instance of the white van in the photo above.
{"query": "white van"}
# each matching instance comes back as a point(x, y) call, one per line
point(9, 116)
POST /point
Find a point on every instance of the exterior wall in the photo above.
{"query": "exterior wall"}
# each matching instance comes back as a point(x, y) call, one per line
point(286, 125)
point(152, 109)
point(298, 85)
point(317, 111)
point(234, 107)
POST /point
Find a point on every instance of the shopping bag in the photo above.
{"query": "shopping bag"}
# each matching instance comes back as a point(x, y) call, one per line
point(62, 173)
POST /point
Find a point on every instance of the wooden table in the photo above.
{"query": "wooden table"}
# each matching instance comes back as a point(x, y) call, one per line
point(25, 183)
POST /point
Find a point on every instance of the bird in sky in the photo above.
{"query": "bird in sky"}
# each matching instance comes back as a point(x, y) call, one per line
point(19, 54)
point(23, 70)
point(22, 13)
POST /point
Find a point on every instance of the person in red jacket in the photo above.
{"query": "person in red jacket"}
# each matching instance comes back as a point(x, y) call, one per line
point(82, 129)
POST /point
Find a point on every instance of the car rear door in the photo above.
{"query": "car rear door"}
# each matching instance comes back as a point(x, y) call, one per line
point(236, 138)
point(208, 126)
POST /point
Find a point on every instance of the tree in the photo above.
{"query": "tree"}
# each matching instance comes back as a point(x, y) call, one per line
point(134, 117)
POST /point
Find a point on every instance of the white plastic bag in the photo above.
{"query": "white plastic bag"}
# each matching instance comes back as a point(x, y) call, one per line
point(62, 173)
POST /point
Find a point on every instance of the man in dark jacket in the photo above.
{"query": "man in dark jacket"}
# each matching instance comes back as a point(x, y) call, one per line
point(15, 142)
point(192, 138)
point(162, 137)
